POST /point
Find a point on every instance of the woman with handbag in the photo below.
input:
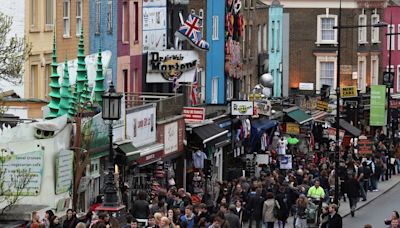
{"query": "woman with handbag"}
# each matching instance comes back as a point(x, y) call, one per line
point(270, 209)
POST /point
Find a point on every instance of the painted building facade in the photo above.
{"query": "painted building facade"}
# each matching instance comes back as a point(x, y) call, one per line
point(103, 32)
point(215, 77)
point(275, 45)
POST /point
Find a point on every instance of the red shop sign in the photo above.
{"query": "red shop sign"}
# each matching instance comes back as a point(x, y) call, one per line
point(150, 157)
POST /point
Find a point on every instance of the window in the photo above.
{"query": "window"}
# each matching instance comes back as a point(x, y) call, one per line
point(66, 19)
point(390, 38)
point(374, 69)
point(249, 40)
point(125, 22)
point(47, 80)
point(362, 31)
point(98, 15)
point(375, 30)
point(326, 71)
point(265, 38)
point(34, 82)
point(245, 4)
point(252, 3)
point(79, 17)
point(325, 33)
point(215, 28)
point(259, 39)
point(244, 41)
point(214, 90)
point(109, 16)
point(229, 89)
point(278, 35)
point(49, 13)
point(136, 23)
point(126, 81)
point(398, 78)
point(272, 36)
point(34, 13)
point(362, 67)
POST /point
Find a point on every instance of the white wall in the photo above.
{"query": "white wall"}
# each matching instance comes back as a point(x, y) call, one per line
point(15, 9)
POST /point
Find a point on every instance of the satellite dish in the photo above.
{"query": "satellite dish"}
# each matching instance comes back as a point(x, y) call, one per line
point(267, 80)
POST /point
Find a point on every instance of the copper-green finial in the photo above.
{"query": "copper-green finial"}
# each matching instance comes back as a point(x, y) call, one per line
point(99, 86)
point(54, 85)
point(65, 91)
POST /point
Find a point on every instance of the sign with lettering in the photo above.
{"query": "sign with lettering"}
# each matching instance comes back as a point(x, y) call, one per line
point(64, 166)
point(141, 124)
point(364, 146)
point(371, 4)
point(348, 91)
point(154, 18)
point(292, 128)
point(322, 105)
point(193, 114)
point(20, 167)
point(378, 101)
point(171, 138)
point(242, 108)
point(164, 66)
point(150, 157)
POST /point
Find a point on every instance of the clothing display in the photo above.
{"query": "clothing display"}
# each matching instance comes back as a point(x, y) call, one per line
point(282, 144)
point(198, 159)
point(264, 142)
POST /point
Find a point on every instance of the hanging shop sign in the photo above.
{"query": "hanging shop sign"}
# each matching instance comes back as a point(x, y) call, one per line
point(292, 128)
point(242, 108)
point(141, 124)
point(164, 66)
point(322, 105)
point(170, 138)
point(64, 166)
point(24, 167)
point(348, 91)
point(193, 114)
point(364, 146)
point(378, 98)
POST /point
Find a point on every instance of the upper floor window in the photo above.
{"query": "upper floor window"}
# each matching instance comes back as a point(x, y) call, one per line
point(326, 34)
point(109, 16)
point(34, 14)
point(390, 38)
point(374, 30)
point(66, 18)
point(125, 22)
point(362, 31)
point(98, 11)
point(78, 17)
point(215, 28)
point(49, 13)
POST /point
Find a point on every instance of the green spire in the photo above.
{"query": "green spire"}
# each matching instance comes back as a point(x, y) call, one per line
point(72, 104)
point(81, 73)
point(65, 91)
point(54, 85)
point(99, 87)
point(85, 96)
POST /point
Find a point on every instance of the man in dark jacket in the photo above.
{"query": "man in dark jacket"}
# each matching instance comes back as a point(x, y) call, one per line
point(230, 217)
point(353, 192)
point(140, 208)
point(335, 220)
point(255, 207)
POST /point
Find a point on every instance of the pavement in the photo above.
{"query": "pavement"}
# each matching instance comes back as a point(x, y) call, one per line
point(344, 209)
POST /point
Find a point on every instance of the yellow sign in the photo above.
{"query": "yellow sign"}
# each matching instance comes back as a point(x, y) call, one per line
point(348, 91)
point(322, 105)
point(292, 128)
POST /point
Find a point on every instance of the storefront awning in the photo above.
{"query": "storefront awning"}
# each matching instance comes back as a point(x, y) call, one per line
point(318, 115)
point(130, 151)
point(350, 128)
point(211, 133)
point(263, 124)
point(299, 116)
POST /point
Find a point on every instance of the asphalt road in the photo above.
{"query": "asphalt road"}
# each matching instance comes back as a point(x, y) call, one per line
point(375, 212)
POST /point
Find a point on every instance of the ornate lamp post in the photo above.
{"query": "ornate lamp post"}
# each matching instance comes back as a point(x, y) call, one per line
point(111, 111)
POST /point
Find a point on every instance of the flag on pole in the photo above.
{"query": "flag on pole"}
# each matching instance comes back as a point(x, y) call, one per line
point(194, 89)
point(175, 84)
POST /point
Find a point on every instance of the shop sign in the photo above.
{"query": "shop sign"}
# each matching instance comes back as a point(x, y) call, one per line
point(141, 125)
point(64, 166)
point(193, 114)
point(154, 17)
point(242, 108)
point(285, 162)
point(322, 105)
point(292, 128)
point(164, 66)
point(332, 134)
point(364, 146)
point(348, 91)
point(371, 4)
point(32, 162)
point(171, 138)
point(306, 86)
point(150, 157)
point(377, 112)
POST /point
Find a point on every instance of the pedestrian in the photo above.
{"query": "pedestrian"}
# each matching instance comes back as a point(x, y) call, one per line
point(239, 211)
point(394, 221)
point(129, 219)
point(324, 218)
point(55, 222)
point(282, 210)
point(359, 173)
point(188, 217)
point(335, 220)
point(35, 223)
point(367, 226)
point(140, 208)
point(71, 220)
point(231, 218)
point(353, 192)
point(47, 217)
point(301, 215)
point(165, 222)
point(255, 207)
point(269, 208)
point(80, 225)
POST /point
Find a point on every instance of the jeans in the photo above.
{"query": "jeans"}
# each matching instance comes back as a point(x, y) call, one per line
point(398, 165)
point(258, 223)
point(362, 190)
point(269, 225)
point(374, 182)
point(300, 223)
point(353, 203)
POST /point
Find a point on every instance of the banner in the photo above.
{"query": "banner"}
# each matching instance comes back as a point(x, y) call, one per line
point(378, 101)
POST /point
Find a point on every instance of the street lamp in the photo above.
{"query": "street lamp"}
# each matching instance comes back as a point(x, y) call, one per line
point(111, 111)
point(337, 151)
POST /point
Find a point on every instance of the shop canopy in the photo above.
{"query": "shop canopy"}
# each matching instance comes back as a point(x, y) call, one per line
point(131, 152)
point(211, 134)
point(299, 116)
point(349, 128)
point(263, 124)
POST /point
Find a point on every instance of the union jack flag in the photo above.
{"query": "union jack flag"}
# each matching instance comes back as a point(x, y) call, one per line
point(175, 84)
point(191, 29)
point(194, 89)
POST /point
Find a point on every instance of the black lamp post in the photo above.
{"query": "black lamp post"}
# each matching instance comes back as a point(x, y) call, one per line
point(111, 111)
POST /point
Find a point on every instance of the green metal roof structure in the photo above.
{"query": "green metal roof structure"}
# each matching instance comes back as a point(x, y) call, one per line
point(65, 91)
point(99, 86)
point(54, 85)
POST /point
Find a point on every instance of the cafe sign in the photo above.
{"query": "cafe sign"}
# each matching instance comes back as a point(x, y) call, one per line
point(164, 66)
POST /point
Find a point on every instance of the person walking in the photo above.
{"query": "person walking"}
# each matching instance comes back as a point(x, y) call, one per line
point(140, 208)
point(335, 220)
point(353, 192)
point(255, 207)
point(301, 215)
point(394, 222)
point(268, 213)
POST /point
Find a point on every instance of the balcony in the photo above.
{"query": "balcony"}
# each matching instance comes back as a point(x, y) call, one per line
point(168, 104)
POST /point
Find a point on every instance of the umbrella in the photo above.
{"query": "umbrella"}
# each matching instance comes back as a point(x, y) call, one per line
point(292, 141)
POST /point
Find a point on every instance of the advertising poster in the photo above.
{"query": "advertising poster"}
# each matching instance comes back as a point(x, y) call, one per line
point(29, 165)
point(171, 138)
point(154, 25)
point(141, 125)
point(64, 167)
point(285, 161)
point(378, 101)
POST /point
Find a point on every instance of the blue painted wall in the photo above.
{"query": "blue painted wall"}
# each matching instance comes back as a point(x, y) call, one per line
point(215, 59)
point(108, 41)
point(275, 46)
